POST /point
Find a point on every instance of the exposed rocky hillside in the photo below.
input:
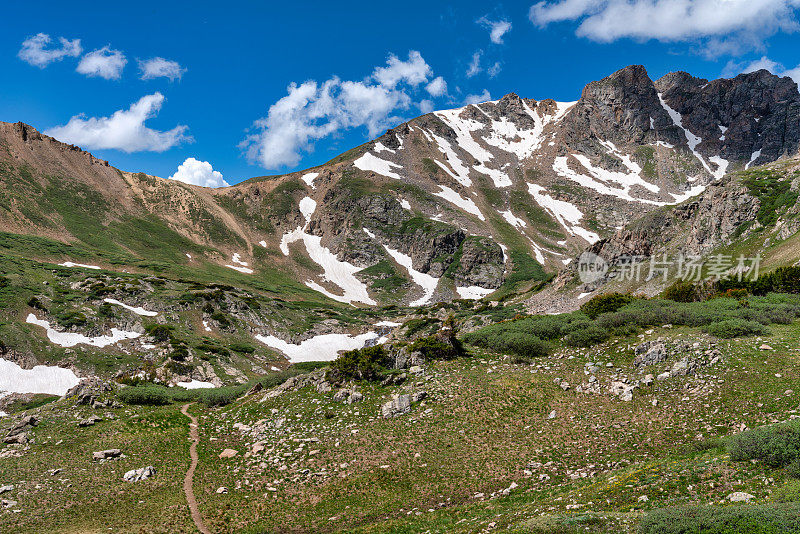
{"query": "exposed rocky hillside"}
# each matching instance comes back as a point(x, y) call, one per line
point(450, 204)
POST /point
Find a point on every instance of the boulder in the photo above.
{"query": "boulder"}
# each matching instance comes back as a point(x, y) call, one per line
point(399, 405)
point(89, 421)
point(135, 475)
point(107, 454)
point(740, 496)
point(228, 453)
point(650, 353)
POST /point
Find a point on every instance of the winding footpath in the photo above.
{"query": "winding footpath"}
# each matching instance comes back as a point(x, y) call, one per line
point(187, 482)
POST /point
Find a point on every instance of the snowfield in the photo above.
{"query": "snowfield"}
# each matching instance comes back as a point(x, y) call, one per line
point(309, 178)
point(324, 347)
point(473, 292)
point(370, 162)
point(136, 310)
point(195, 384)
point(71, 264)
point(692, 140)
point(70, 339)
point(465, 204)
point(41, 379)
point(512, 219)
point(568, 215)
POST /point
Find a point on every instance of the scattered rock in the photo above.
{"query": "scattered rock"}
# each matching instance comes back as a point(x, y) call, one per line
point(106, 454)
point(650, 353)
point(740, 496)
point(89, 421)
point(418, 396)
point(135, 475)
point(399, 405)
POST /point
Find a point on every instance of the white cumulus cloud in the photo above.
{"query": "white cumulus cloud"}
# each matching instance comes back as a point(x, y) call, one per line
point(103, 63)
point(477, 99)
point(312, 111)
point(437, 87)
point(158, 67)
point(722, 26)
point(196, 172)
point(497, 28)
point(34, 50)
point(123, 130)
point(414, 71)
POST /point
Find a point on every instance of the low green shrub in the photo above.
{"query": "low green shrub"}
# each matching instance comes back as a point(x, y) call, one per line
point(789, 492)
point(223, 320)
point(682, 291)
point(433, 348)
point(590, 334)
point(610, 302)
point(36, 304)
point(746, 519)
point(731, 328)
point(775, 445)
point(498, 339)
point(159, 332)
point(149, 395)
point(361, 364)
point(71, 318)
point(242, 348)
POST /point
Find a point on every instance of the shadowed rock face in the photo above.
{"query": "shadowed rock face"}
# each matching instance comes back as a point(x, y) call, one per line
point(759, 110)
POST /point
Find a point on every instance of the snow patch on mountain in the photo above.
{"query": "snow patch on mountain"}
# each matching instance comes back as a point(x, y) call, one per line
point(692, 140)
point(83, 265)
point(43, 379)
point(339, 273)
point(309, 178)
point(324, 347)
point(135, 309)
point(599, 178)
point(512, 219)
point(567, 214)
point(370, 162)
point(465, 204)
point(753, 157)
point(473, 292)
point(70, 339)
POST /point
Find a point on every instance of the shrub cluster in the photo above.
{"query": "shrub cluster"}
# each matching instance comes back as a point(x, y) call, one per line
point(682, 291)
point(781, 280)
point(361, 364)
point(433, 348)
point(775, 445)
point(761, 519)
point(610, 302)
point(731, 328)
point(527, 337)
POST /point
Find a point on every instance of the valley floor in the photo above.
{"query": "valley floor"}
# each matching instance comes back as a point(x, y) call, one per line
point(494, 446)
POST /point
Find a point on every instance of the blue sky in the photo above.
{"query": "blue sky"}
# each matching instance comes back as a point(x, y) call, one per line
point(219, 74)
